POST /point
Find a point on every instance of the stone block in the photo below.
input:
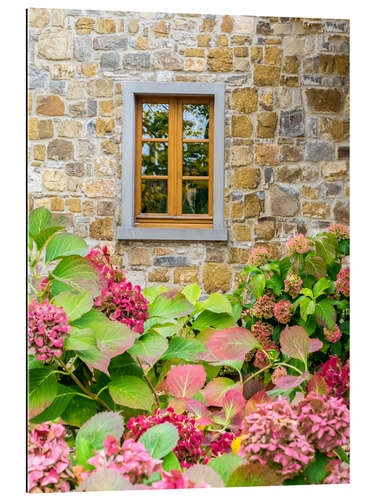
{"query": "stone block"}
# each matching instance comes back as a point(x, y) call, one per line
point(53, 180)
point(267, 154)
point(292, 123)
point(266, 124)
point(51, 105)
point(139, 256)
point(159, 275)
point(241, 126)
point(283, 201)
point(171, 261)
point(101, 229)
point(335, 170)
point(216, 277)
point(245, 100)
point(316, 210)
point(266, 76)
point(60, 149)
point(245, 178)
point(184, 275)
point(55, 45)
point(99, 188)
point(319, 151)
point(324, 100)
point(220, 59)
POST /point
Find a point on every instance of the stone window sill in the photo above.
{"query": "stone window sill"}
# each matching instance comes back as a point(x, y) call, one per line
point(172, 234)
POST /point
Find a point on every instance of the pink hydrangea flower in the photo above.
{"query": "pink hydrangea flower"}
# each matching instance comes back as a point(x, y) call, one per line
point(189, 445)
point(339, 472)
point(339, 230)
point(131, 459)
point(293, 284)
point(222, 444)
point(124, 303)
point(336, 375)
point(324, 421)
point(279, 372)
point(260, 359)
point(48, 459)
point(48, 329)
point(333, 335)
point(298, 244)
point(174, 480)
point(342, 283)
point(263, 307)
point(259, 256)
point(101, 259)
point(272, 437)
point(283, 311)
point(262, 332)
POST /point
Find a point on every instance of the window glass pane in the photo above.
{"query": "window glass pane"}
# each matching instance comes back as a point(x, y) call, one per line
point(154, 196)
point(196, 121)
point(155, 158)
point(155, 120)
point(195, 159)
point(195, 197)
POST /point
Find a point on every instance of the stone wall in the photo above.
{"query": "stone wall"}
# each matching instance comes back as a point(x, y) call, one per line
point(287, 126)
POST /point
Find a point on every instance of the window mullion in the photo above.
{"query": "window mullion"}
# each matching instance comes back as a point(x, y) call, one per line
point(172, 157)
point(179, 134)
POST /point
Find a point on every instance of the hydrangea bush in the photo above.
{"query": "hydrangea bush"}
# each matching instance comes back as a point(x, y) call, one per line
point(165, 389)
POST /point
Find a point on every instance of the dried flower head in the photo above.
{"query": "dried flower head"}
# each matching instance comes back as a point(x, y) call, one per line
point(340, 231)
point(48, 329)
point(259, 256)
point(293, 284)
point(283, 311)
point(279, 372)
point(332, 335)
point(263, 307)
point(298, 244)
point(342, 283)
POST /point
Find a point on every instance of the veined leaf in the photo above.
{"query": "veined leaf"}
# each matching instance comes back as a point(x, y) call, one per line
point(217, 303)
point(65, 244)
point(216, 389)
point(225, 464)
point(64, 395)
point(257, 284)
point(184, 381)
point(149, 348)
point(164, 307)
point(232, 343)
point(294, 341)
point(192, 292)
point(291, 381)
point(316, 266)
point(75, 273)
point(75, 305)
point(183, 348)
point(325, 313)
point(254, 474)
point(233, 402)
point(160, 440)
point(113, 337)
point(199, 474)
point(132, 392)
point(320, 286)
point(42, 390)
point(105, 479)
point(208, 319)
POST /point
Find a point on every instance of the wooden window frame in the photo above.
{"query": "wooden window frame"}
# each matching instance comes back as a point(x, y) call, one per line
point(173, 226)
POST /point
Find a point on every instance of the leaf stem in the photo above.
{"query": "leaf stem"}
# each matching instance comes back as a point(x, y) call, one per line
point(148, 381)
point(256, 373)
point(80, 385)
point(290, 366)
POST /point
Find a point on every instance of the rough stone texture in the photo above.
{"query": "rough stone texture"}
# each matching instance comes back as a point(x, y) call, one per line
point(286, 128)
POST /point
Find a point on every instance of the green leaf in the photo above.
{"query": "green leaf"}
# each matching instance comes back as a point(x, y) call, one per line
point(344, 246)
point(236, 310)
point(320, 286)
point(64, 395)
point(192, 292)
point(75, 305)
point(75, 273)
point(63, 245)
point(183, 348)
point(257, 284)
point(164, 307)
point(326, 313)
point(153, 291)
point(88, 318)
point(149, 348)
point(209, 319)
point(295, 481)
point(169, 329)
point(316, 470)
point(307, 292)
point(171, 462)
point(217, 303)
point(39, 220)
point(325, 249)
point(275, 283)
point(341, 454)
point(124, 365)
point(284, 266)
point(160, 440)
point(307, 308)
point(316, 266)
point(224, 465)
point(78, 411)
point(42, 390)
point(105, 479)
point(253, 474)
point(92, 434)
point(113, 337)
point(132, 392)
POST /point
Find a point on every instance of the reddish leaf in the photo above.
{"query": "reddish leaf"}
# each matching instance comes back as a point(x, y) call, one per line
point(258, 398)
point(179, 404)
point(294, 342)
point(199, 473)
point(315, 345)
point(200, 411)
point(291, 381)
point(215, 390)
point(233, 402)
point(254, 474)
point(184, 381)
point(232, 343)
point(318, 384)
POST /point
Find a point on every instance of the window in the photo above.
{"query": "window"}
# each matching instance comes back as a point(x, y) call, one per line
point(173, 161)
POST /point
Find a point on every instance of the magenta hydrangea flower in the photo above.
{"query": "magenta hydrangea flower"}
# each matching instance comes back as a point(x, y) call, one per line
point(263, 307)
point(333, 335)
point(283, 311)
point(100, 258)
point(131, 459)
point(259, 256)
point(48, 329)
point(272, 437)
point(222, 444)
point(189, 445)
point(339, 472)
point(125, 303)
point(279, 372)
point(337, 376)
point(48, 459)
point(298, 244)
point(174, 480)
point(340, 231)
point(342, 283)
point(324, 421)
point(293, 284)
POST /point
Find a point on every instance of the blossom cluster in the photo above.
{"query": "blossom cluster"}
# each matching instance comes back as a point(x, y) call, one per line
point(259, 256)
point(283, 311)
point(263, 307)
point(125, 303)
point(279, 372)
point(342, 282)
point(48, 459)
point(336, 374)
point(324, 421)
point(222, 444)
point(293, 284)
point(174, 480)
point(340, 231)
point(272, 437)
point(100, 258)
point(131, 459)
point(339, 472)
point(189, 445)
point(332, 335)
point(47, 331)
point(262, 332)
point(298, 244)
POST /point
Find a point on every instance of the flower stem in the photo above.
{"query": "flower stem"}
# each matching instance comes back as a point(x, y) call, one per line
point(148, 382)
point(290, 366)
point(80, 385)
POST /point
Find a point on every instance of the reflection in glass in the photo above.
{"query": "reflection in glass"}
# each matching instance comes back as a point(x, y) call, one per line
point(196, 121)
point(195, 197)
point(154, 196)
point(195, 159)
point(155, 120)
point(155, 158)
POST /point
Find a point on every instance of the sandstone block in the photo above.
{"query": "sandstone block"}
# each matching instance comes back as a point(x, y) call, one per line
point(315, 210)
point(309, 193)
point(216, 277)
point(337, 130)
point(184, 275)
point(252, 207)
point(203, 40)
point(39, 152)
point(241, 126)
point(266, 124)
point(32, 129)
point(266, 76)
point(100, 87)
point(246, 178)
point(166, 59)
point(241, 232)
point(245, 100)
point(60, 149)
point(105, 25)
point(267, 154)
point(75, 169)
point(84, 25)
point(51, 105)
point(341, 212)
point(70, 128)
point(62, 71)
point(101, 229)
point(53, 180)
point(335, 170)
point(238, 255)
point(273, 55)
point(57, 204)
point(159, 275)
point(291, 65)
point(283, 201)
point(291, 153)
point(139, 256)
point(104, 166)
point(106, 208)
point(104, 127)
point(220, 59)
point(45, 129)
point(289, 174)
point(227, 24)
point(73, 205)
point(194, 64)
point(241, 155)
point(324, 100)
point(264, 229)
point(38, 18)
point(99, 188)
